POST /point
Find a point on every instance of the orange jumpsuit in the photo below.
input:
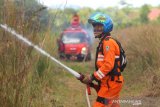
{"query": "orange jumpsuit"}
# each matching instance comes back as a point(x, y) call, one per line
point(108, 94)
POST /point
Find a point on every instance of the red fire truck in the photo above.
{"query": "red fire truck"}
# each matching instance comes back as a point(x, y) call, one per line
point(74, 42)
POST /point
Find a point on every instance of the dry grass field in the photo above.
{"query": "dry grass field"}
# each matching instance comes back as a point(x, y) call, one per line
point(29, 79)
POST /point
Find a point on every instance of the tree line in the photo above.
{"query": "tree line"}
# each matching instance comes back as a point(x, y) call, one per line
point(58, 19)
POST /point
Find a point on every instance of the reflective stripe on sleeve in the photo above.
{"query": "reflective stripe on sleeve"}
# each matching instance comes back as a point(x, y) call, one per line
point(100, 57)
point(116, 56)
point(99, 74)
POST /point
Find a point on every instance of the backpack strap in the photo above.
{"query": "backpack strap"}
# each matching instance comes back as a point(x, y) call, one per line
point(114, 71)
point(122, 57)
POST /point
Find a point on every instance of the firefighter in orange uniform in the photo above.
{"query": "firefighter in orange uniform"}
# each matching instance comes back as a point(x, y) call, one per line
point(107, 74)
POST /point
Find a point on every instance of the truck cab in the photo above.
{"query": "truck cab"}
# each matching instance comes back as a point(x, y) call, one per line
point(74, 42)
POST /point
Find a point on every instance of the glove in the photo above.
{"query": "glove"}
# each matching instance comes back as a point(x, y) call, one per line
point(86, 79)
point(95, 86)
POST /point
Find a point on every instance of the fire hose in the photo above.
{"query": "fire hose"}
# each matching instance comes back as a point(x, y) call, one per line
point(26, 41)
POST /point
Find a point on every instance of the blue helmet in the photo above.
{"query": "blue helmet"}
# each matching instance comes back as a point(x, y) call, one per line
point(103, 19)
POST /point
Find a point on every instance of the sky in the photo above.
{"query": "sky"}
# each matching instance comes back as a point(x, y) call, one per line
point(96, 3)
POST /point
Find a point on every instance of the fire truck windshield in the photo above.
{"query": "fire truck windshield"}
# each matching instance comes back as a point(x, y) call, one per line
point(73, 37)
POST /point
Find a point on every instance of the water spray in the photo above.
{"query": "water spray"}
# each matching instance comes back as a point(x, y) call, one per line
point(40, 50)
